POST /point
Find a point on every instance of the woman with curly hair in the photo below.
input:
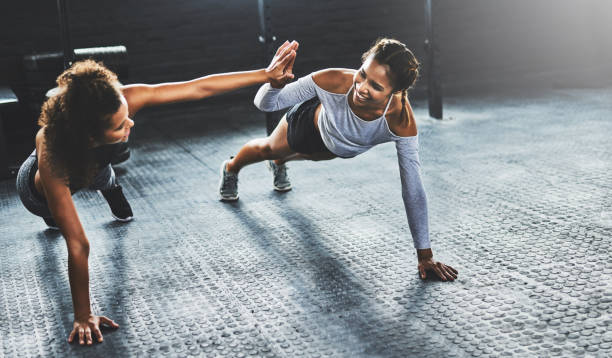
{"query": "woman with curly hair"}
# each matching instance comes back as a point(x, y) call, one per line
point(89, 111)
point(343, 113)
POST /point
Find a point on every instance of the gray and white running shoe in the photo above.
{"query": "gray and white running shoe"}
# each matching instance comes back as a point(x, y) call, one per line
point(228, 186)
point(281, 180)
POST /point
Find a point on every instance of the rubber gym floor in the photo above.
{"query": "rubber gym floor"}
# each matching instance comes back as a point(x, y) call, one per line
point(519, 192)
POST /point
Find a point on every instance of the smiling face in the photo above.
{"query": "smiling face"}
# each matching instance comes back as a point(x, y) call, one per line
point(372, 84)
point(120, 124)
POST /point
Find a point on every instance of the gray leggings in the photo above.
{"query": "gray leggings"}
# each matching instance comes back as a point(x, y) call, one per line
point(35, 202)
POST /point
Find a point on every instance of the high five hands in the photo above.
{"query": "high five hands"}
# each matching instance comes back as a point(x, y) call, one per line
point(280, 70)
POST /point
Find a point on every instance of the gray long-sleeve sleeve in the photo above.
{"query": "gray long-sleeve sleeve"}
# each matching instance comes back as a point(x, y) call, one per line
point(270, 99)
point(413, 192)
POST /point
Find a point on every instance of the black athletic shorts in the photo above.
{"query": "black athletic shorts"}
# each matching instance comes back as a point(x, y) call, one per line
point(302, 135)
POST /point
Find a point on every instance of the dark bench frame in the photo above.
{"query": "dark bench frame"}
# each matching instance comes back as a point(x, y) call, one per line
point(8, 103)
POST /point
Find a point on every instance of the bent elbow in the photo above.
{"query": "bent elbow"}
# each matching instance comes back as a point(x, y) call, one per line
point(257, 103)
point(78, 248)
point(201, 93)
point(263, 106)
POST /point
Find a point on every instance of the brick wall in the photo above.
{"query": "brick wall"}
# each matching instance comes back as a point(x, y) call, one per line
point(481, 41)
point(485, 45)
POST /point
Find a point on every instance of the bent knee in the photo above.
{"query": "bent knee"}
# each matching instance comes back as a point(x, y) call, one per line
point(270, 149)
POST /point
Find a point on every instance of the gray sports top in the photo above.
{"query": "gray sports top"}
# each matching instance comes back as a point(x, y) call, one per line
point(347, 135)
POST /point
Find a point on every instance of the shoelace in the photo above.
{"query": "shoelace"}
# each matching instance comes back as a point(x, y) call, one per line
point(229, 180)
point(280, 169)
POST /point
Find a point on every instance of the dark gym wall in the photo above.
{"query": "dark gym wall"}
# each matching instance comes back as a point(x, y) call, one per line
point(525, 43)
point(519, 42)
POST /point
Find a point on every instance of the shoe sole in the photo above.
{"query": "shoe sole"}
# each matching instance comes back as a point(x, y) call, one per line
point(221, 197)
point(282, 190)
point(124, 220)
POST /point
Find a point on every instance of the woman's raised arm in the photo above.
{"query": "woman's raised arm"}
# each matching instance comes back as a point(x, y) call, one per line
point(139, 96)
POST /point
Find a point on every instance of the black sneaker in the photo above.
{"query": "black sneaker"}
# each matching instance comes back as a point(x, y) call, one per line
point(51, 223)
point(118, 203)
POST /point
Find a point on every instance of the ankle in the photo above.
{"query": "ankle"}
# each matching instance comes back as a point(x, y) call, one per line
point(230, 168)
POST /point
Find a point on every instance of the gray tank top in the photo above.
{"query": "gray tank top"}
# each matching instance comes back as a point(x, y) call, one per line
point(346, 135)
point(343, 132)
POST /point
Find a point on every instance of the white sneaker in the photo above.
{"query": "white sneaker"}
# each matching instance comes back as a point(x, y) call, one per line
point(228, 186)
point(281, 180)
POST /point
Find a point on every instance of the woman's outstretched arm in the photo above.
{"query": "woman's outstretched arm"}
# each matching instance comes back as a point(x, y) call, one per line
point(139, 96)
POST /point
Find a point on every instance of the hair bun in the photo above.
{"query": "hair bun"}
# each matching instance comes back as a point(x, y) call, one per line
point(402, 63)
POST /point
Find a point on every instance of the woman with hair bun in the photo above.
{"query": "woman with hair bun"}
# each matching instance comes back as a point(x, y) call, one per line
point(343, 113)
point(89, 111)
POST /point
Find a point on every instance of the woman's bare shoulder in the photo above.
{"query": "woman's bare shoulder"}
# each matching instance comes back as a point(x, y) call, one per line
point(40, 138)
point(47, 174)
point(41, 148)
point(334, 80)
point(400, 125)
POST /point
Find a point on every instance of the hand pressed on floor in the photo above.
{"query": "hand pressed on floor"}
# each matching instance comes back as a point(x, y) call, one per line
point(84, 328)
point(445, 272)
point(427, 263)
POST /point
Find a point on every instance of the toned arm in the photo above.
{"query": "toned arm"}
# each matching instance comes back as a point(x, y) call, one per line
point(142, 95)
point(279, 71)
point(62, 208)
point(413, 192)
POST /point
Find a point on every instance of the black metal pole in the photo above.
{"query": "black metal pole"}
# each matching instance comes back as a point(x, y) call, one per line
point(62, 12)
point(267, 40)
point(261, 11)
point(434, 88)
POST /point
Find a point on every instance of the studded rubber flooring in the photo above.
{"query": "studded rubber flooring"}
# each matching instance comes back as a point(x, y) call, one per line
point(520, 199)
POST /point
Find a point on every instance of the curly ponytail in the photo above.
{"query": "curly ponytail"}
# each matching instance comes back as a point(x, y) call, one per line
point(78, 114)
